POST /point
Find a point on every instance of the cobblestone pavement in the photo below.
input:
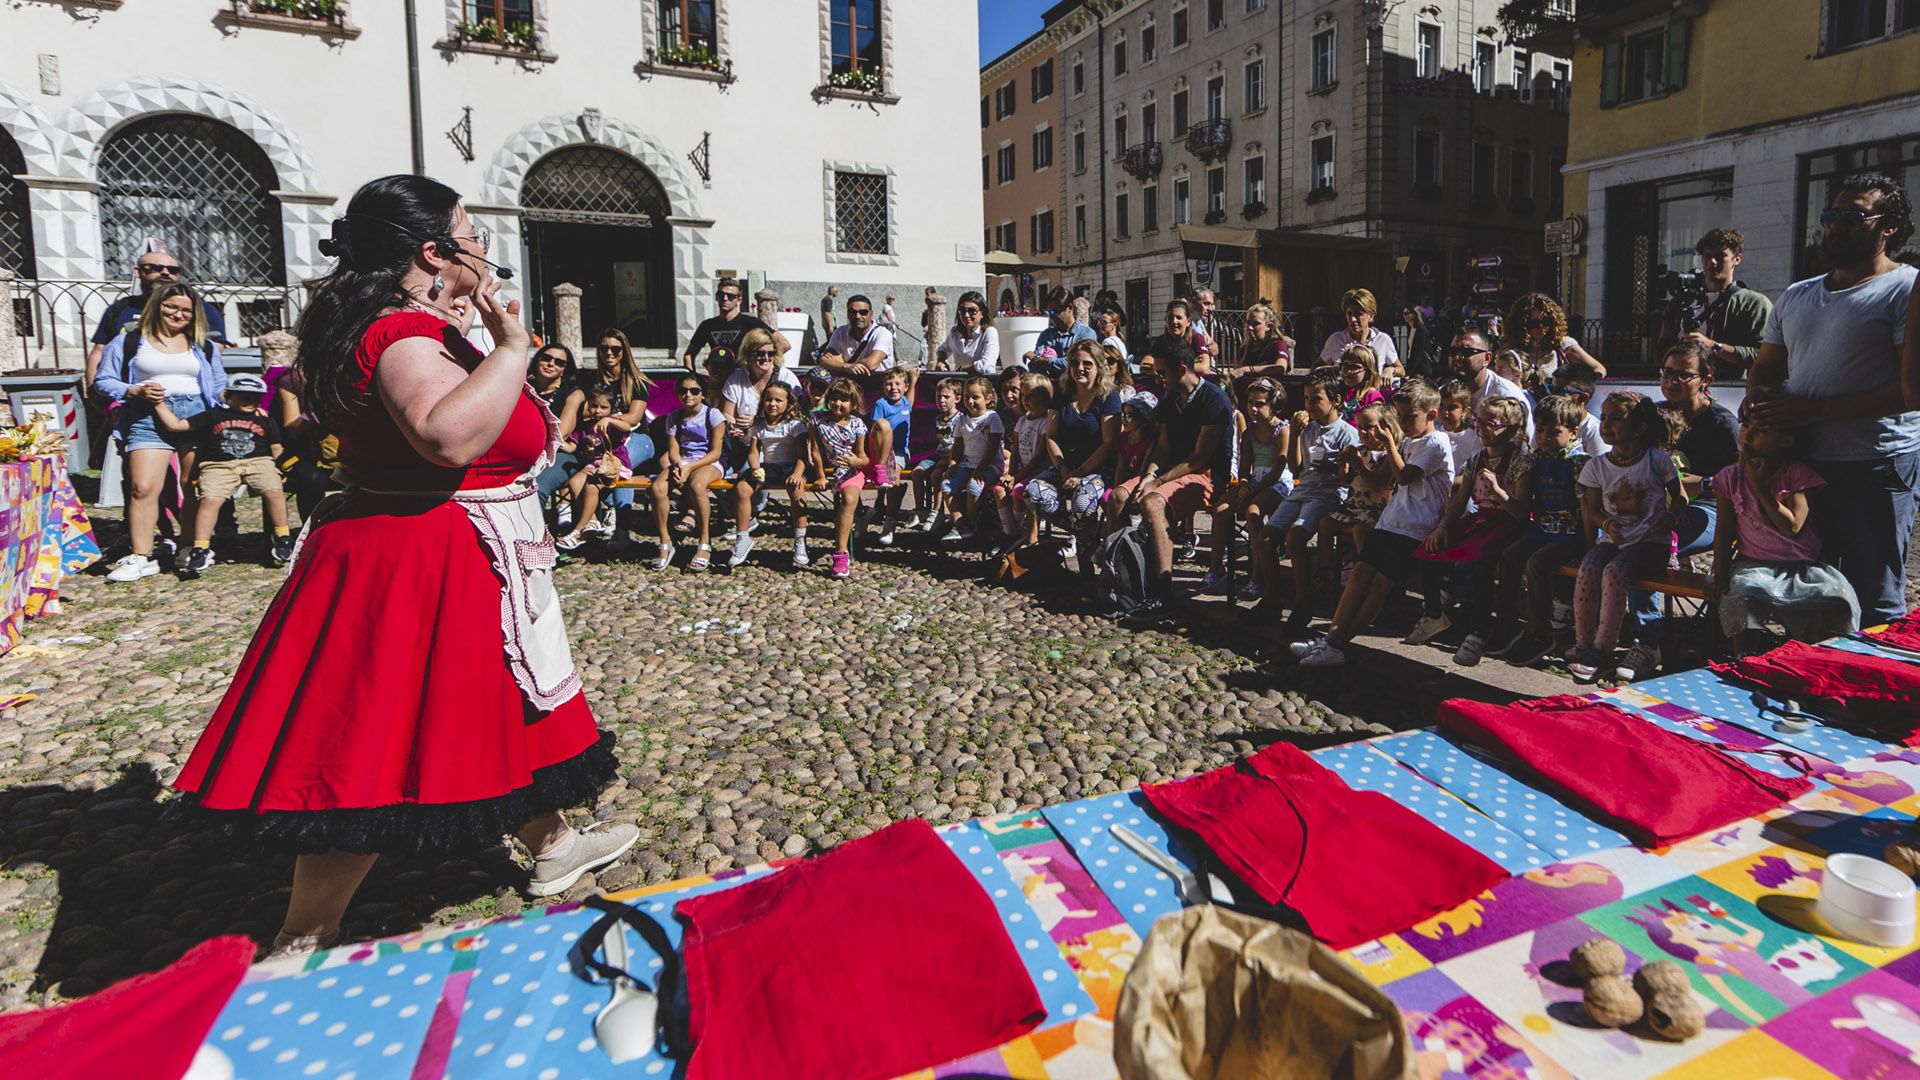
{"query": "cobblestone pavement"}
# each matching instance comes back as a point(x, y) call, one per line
point(760, 713)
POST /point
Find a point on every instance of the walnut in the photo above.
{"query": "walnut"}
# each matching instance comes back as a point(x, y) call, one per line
point(1596, 957)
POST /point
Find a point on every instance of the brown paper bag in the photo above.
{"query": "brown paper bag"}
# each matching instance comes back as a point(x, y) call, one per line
point(1218, 995)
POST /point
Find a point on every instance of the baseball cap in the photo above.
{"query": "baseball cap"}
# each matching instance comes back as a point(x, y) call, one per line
point(247, 384)
point(1143, 403)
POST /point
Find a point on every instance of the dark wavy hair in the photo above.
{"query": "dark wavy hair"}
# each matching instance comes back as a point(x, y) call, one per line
point(1894, 206)
point(386, 222)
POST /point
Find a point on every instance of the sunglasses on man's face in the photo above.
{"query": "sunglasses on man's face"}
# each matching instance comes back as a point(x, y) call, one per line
point(156, 268)
point(859, 311)
point(728, 295)
point(1464, 352)
point(1852, 219)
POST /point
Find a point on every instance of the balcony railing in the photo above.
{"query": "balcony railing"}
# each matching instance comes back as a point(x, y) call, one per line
point(1210, 139)
point(55, 319)
point(1141, 160)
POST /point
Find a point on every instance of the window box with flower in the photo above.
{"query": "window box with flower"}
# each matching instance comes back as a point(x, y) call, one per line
point(864, 83)
point(326, 18)
point(1253, 209)
point(695, 60)
point(504, 33)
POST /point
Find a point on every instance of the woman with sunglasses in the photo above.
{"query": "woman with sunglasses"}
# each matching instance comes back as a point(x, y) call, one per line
point(1538, 327)
point(555, 379)
point(973, 344)
point(759, 368)
point(411, 690)
point(689, 462)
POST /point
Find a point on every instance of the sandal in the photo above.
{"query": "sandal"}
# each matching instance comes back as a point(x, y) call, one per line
point(665, 558)
point(702, 557)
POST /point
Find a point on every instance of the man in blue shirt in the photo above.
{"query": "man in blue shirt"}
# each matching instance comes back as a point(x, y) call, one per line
point(1060, 335)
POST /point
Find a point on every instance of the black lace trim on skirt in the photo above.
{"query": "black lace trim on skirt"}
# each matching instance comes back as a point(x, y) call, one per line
point(418, 828)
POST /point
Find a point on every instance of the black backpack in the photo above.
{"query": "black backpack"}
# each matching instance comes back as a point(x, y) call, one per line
point(1123, 569)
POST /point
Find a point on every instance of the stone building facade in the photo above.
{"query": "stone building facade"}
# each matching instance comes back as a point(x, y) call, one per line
point(1289, 148)
point(636, 148)
point(1020, 162)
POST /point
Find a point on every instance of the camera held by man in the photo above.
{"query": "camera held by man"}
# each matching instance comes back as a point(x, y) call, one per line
point(1711, 309)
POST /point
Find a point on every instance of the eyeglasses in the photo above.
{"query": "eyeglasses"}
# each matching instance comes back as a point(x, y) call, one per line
point(1853, 219)
point(969, 309)
point(859, 311)
point(1678, 376)
point(1464, 352)
point(481, 238)
point(765, 354)
point(157, 268)
point(691, 391)
point(613, 349)
point(728, 295)
point(1540, 324)
point(1492, 425)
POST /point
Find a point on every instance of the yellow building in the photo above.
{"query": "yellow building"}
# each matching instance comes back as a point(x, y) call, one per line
point(1689, 115)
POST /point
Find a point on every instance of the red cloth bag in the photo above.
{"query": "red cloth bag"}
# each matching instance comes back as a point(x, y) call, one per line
point(144, 1028)
point(1649, 783)
point(1877, 689)
point(1354, 864)
point(881, 957)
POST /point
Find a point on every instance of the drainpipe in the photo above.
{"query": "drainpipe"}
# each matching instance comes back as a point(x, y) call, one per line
point(1100, 73)
point(413, 91)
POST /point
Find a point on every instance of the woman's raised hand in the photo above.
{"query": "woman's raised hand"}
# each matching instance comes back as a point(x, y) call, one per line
point(501, 320)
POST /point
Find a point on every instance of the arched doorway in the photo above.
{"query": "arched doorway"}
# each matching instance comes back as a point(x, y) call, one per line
point(16, 223)
point(597, 218)
point(201, 186)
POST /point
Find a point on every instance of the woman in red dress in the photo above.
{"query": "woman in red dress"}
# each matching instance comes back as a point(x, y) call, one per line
point(410, 689)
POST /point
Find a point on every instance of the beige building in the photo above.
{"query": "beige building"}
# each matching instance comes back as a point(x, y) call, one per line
point(1290, 149)
point(1020, 172)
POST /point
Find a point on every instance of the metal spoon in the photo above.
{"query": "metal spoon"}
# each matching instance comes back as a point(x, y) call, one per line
point(1185, 880)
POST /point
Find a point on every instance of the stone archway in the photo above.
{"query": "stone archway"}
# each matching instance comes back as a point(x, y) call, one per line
point(304, 211)
point(499, 205)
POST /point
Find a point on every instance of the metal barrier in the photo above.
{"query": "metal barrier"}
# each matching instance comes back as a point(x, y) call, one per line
point(1228, 330)
point(55, 319)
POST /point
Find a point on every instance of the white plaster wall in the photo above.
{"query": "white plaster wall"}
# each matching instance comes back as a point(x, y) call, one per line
point(343, 104)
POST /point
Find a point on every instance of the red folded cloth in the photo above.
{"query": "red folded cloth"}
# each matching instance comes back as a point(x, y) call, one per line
point(1902, 633)
point(1354, 864)
point(147, 1027)
point(881, 957)
point(1875, 689)
point(1645, 781)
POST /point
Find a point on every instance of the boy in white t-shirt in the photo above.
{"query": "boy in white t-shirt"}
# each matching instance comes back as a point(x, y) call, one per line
point(1423, 466)
point(1456, 419)
point(978, 436)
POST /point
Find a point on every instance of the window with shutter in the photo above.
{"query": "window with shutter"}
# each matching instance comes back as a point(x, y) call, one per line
point(1677, 37)
point(1610, 73)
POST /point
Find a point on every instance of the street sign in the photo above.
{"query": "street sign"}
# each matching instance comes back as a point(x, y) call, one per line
point(1563, 237)
point(1486, 262)
point(1203, 271)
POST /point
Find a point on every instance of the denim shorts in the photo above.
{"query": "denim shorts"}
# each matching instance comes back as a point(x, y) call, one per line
point(142, 433)
point(960, 479)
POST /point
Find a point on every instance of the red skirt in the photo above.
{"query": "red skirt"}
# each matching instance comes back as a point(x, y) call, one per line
point(374, 710)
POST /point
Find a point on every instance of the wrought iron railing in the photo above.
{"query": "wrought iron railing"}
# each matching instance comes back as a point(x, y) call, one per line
point(1228, 330)
point(55, 319)
point(1141, 160)
point(1210, 139)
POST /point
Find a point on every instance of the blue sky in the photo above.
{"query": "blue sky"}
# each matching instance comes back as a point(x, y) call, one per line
point(1005, 23)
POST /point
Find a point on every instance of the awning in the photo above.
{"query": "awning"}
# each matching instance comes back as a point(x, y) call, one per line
point(1217, 236)
point(1004, 259)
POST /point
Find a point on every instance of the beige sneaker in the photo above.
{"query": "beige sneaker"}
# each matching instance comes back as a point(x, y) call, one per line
point(593, 848)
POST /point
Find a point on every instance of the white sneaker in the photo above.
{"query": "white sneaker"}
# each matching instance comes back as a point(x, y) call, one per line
point(1326, 655)
point(742, 547)
point(133, 568)
point(1070, 550)
point(1302, 648)
point(958, 537)
point(800, 553)
point(1428, 628)
point(1468, 654)
point(886, 533)
point(912, 524)
point(563, 517)
point(592, 849)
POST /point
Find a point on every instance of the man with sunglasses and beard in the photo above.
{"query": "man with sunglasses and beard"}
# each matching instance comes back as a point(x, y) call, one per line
point(1829, 367)
point(860, 346)
point(721, 334)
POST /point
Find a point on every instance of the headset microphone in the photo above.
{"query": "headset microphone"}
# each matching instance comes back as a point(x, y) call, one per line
point(452, 247)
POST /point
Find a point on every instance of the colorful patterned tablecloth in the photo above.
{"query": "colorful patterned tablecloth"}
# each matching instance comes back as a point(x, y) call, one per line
point(1485, 988)
point(44, 536)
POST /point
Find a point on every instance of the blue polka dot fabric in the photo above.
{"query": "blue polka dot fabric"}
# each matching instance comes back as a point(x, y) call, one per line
point(364, 1020)
point(1140, 893)
point(1709, 694)
point(1060, 989)
point(1865, 648)
point(1550, 830)
point(1367, 769)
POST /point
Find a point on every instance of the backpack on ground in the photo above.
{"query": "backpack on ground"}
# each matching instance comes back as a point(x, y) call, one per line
point(1122, 567)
